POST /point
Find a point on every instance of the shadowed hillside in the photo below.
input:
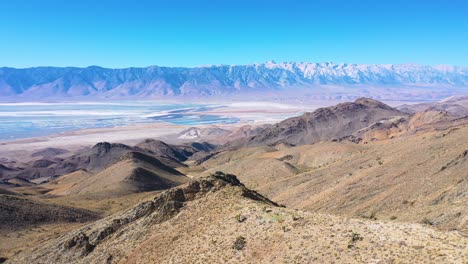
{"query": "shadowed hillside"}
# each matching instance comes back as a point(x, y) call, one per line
point(17, 212)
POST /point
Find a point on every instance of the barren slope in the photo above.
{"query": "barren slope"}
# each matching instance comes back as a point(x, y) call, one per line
point(99, 157)
point(323, 124)
point(17, 212)
point(417, 178)
point(218, 220)
point(134, 173)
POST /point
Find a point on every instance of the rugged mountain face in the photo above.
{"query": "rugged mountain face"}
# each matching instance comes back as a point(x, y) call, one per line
point(324, 124)
point(97, 158)
point(154, 81)
point(177, 153)
point(218, 219)
point(102, 155)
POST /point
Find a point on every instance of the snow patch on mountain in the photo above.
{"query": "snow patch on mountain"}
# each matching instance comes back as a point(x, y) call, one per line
point(220, 80)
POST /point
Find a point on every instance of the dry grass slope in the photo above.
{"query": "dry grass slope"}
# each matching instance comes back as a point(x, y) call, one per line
point(218, 220)
point(416, 178)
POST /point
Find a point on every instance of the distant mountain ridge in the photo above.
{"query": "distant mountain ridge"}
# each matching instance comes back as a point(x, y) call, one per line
point(155, 82)
point(324, 124)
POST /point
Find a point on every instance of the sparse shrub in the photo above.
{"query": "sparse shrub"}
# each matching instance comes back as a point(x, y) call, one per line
point(240, 218)
point(393, 217)
point(355, 237)
point(295, 217)
point(239, 243)
point(408, 202)
point(427, 221)
point(380, 162)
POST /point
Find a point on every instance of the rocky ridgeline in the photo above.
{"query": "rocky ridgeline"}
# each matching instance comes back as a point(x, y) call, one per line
point(83, 241)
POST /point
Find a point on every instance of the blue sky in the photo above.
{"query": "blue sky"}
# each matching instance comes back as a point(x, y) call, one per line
point(192, 33)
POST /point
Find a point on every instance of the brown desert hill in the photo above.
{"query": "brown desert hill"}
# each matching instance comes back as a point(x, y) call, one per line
point(37, 169)
point(218, 135)
point(18, 182)
point(31, 170)
point(177, 153)
point(246, 131)
point(134, 172)
point(218, 220)
point(420, 177)
point(5, 171)
point(62, 185)
point(429, 120)
point(49, 153)
point(202, 146)
point(203, 133)
point(18, 211)
point(323, 124)
point(18, 185)
point(363, 121)
point(334, 123)
point(455, 105)
point(99, 157)
point(255, 171)
point(6, 191)
point(104, 154)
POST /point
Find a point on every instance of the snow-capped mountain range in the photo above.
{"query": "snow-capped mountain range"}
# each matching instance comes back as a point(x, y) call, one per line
point(325, 80)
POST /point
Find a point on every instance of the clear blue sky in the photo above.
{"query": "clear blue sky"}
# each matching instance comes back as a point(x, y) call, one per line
point(192, 33)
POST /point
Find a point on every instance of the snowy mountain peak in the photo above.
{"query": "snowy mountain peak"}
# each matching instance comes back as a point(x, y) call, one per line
point(218, 80)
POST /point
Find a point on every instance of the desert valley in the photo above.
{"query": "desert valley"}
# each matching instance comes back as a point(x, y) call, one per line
point(182, 132)
point(358, 181)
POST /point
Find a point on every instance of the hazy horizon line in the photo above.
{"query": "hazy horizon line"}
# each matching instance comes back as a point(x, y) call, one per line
point(234, 64)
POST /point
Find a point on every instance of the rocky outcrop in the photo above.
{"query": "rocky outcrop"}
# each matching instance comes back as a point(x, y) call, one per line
point(164, 207)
